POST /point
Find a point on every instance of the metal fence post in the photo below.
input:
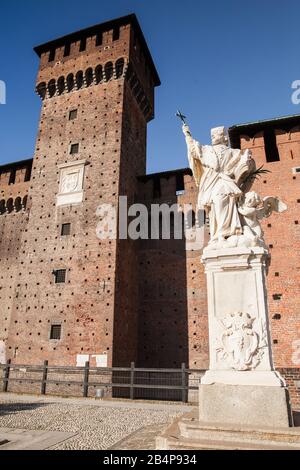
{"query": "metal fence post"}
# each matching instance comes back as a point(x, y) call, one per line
point(86, 379)
point(6, 375)
point(132, 381)
point(44, 378)
point(183, 384)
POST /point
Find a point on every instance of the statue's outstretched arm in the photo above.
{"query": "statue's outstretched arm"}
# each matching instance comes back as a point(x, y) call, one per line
point(194, 147)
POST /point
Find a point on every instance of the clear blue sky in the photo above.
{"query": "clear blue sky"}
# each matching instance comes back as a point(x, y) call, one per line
point(221, 62)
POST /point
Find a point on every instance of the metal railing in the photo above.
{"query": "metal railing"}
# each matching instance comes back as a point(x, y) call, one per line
point(118, 382)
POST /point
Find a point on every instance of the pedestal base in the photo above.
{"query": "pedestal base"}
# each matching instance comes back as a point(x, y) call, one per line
point(266, 378)
point(246, 405)
point(188, 433)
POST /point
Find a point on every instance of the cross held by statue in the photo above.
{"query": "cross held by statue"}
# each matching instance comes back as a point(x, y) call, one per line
point(181, 116)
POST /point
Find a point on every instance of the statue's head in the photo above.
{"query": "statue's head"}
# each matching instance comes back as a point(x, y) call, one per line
point(219, 136)
point(252, 199)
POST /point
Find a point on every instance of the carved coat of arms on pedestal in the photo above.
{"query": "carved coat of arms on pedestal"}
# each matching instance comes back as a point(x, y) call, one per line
point(241, 345)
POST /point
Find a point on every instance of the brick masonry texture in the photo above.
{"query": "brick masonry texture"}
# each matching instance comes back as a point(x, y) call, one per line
point(144, 300)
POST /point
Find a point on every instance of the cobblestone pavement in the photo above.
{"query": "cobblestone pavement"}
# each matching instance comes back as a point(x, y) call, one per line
point(143, 439)
point(98, 425)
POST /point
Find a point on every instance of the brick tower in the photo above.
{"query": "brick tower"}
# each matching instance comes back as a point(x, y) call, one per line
point(75, 295)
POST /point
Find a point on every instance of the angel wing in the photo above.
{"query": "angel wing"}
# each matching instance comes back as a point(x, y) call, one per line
point(270, 204)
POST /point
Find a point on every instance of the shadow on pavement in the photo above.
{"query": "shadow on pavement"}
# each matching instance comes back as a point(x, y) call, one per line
point(11, 408)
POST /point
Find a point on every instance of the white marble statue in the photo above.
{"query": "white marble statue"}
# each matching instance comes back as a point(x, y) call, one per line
point(220, 173)
point(241, 385)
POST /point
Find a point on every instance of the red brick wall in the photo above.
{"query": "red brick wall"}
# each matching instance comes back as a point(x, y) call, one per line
point(292, 377)
point(13, 221)
point(133, 163)
point(283, 234)
point(172, 292)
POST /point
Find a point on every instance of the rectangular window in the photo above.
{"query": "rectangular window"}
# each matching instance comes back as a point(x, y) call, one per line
point(179, 184)
point(74, 149)
point(60, 276)
point(27, 173)
point(116, 34)
point(55, 332)
point(65, 230)
point(67, 49)
point(99, 39)
point(156, 188)
point(82, 45)
point(52, 55)
point(12, 177)
point(271, 149)
point(72, 114)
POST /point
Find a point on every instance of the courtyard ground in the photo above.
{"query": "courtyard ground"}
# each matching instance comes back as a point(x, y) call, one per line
point(35, 422)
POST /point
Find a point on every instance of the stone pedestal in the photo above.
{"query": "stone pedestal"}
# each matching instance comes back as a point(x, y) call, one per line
point(241, 385)
point(244, 405)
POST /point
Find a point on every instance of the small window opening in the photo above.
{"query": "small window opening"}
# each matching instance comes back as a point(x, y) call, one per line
point(60, 276)
point(179, 184)
point(271, 149)
point(51, 55)
point(12, 177)
point(65, 229)
point(156, 188)
point(277, 316)
point(82, 45)
point(55, 332)
point(99, 39)
point(74, 149)
point(67, 49)
point(116, 34)
point(72, 114)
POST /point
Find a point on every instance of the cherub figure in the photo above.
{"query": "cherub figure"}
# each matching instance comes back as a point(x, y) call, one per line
point(253, 209)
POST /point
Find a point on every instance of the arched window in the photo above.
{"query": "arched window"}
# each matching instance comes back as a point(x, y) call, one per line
point(10, 205)
point(61, 85)
point(79, 79)
point(2, 206)
point(42, 90)
point(119, 68)
point(70, 82)
point(99, 74)
point(89, 76)
point(18, 204)
point(24, 202)
point(109, 71)
point(52, 88)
